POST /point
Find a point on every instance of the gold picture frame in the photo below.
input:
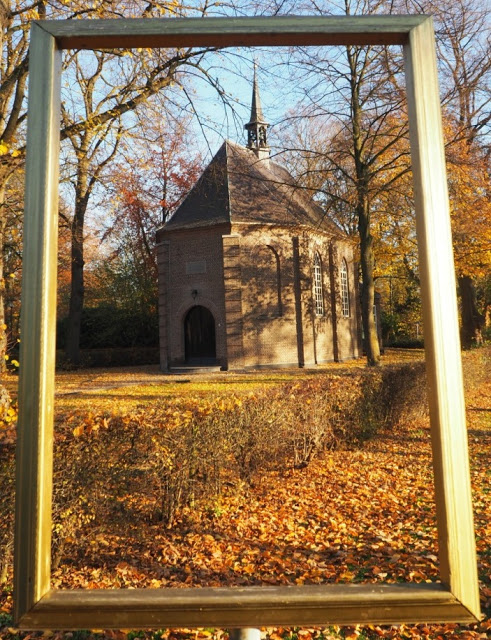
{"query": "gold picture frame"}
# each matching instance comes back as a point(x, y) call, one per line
point(37, 606)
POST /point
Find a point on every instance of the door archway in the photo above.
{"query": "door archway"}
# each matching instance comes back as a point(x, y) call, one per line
point(199, 336)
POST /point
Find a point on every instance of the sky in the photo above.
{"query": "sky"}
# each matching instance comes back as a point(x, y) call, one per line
point(235, 69)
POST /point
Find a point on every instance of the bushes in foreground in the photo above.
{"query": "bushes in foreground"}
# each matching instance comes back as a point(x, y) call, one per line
point(120, 470)
point(117, 471)
point(149, 465)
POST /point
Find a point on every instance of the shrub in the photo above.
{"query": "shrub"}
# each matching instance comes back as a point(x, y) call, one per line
point(153, 463)
point(112, 357)
point(8, 420)
point(7, 466)
point(476, 365)
point(405, 343)
point(111, 326)
point(149, 465)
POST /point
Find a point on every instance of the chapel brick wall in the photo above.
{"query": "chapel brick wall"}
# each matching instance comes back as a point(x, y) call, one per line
point(190, 260)
point(283, 328)
point(346, 327)
point(259, 286)
point(319, 333)
point(268, 297)
point(162, 266)
point(232, 280)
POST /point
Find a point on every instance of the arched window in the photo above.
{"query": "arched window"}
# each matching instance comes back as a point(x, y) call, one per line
point(318, 293)
point(276, 281)
point(263, 275)
point(343, 274)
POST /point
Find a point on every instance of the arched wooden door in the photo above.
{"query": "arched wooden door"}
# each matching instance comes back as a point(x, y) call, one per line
point(199, 336)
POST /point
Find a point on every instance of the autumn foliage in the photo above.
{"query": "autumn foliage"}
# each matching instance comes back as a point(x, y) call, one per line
point(150, 464)
point(326, 478)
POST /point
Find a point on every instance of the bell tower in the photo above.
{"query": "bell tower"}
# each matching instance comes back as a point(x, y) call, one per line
point(257, 126)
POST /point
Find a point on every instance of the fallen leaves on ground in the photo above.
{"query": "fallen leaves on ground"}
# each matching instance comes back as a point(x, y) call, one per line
point(353, 515)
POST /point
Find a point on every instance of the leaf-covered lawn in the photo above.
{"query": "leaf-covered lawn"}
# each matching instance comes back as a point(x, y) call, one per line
point(127, 388)
point(355, 514)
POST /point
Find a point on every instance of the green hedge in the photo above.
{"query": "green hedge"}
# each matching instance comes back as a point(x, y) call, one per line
point(112, 357)
point(110, 326)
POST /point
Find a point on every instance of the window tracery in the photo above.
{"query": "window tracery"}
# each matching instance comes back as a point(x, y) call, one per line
point(318, 289)
point(345, 302)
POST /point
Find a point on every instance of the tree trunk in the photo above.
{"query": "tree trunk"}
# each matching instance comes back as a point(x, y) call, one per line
point(4, 14)
point(472, 320)
point(3, 331)
point(72, 344)
point(372, 347)
point(77, 291)
point(4, 10)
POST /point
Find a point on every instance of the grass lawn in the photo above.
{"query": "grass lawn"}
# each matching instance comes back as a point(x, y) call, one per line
point(358, 513)
point(126, 389)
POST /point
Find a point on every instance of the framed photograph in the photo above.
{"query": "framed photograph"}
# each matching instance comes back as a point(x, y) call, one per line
point(455, 598)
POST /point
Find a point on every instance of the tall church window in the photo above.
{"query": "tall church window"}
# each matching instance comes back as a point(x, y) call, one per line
point(343, 274)
point(318, 292)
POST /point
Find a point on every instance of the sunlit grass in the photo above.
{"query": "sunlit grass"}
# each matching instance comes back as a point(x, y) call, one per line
point(120, 390)
point(120, 396)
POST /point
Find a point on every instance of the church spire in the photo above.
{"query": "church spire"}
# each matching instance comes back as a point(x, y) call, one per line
point(257, 126)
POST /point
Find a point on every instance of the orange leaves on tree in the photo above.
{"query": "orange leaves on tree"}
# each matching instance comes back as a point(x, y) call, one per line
point(469, 177)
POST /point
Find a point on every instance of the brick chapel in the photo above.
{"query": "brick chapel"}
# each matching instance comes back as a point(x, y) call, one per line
point(252, 272)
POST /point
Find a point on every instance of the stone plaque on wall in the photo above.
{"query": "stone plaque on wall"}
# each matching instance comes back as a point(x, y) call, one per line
point(193, 268)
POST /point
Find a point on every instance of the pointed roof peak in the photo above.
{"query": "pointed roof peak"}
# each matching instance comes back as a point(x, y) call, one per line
point(256, 109)
point(257, 125)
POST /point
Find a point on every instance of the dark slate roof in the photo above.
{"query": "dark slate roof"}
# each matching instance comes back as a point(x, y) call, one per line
point(237, 187)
